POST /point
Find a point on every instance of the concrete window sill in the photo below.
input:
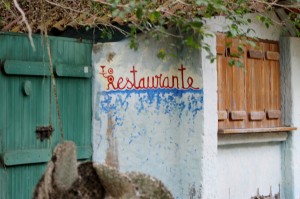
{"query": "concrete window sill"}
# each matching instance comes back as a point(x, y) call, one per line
point(259, 135)
point(257, 130)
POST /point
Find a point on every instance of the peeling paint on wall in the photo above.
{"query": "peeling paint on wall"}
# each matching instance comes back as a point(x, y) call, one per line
point(153, 102)
point(112, 150)
point(270, 196)
point(147, 114)
point(193, 193)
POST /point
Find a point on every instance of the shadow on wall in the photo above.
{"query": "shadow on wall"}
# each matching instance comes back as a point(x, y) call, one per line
point(91, 34)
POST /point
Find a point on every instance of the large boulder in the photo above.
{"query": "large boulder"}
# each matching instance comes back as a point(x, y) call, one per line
point(65, 178)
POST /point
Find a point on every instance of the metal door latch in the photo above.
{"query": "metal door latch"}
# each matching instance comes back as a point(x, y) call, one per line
point(44, 132)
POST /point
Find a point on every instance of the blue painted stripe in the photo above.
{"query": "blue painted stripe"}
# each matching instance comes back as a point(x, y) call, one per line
point(158, 101)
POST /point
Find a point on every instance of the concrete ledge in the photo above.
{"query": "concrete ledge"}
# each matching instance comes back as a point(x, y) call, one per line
point(257, 130)
point(230, 139)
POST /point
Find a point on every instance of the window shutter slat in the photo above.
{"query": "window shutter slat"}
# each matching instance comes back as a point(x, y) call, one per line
point(272, 55)
point(256, 54)
point(238, 115)
point(257, 115)
point(222, 115)
point(274, 114)
point(221, 39)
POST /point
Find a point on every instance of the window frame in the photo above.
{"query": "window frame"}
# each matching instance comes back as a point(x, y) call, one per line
point(252, 101)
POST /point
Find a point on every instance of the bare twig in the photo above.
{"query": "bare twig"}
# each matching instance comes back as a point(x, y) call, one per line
point(11, 12)
point(182, 2)
point(96, 24)
point(109, 4)
point(24, 19)
point(289, 7)
point(64, 7)
point(8, 26)
point(168, 34)
point(116, 28)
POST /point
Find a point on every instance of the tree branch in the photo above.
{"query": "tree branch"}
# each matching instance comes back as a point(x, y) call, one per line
point(24, 19)
point(64, 7)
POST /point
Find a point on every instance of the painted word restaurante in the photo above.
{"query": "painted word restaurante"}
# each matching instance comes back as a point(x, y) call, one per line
point(149, 82)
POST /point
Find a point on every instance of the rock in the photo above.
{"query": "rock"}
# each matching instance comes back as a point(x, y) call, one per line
point(65, 178)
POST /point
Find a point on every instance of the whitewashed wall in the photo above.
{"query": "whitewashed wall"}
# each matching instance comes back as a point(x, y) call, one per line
point(243, 168)
point(290, 72)
point(146, 127)
point(171, 133)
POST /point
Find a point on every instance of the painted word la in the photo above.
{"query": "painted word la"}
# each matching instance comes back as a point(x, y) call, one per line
point(148, 82)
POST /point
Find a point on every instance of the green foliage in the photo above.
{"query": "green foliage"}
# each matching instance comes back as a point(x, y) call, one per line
point(189, 24)
point(294, 19)
point(185, 18)
point(133, 39)
point(106, 33)
point(161, 53)
point(235, 62)
point(265, 20)
point(7, 4)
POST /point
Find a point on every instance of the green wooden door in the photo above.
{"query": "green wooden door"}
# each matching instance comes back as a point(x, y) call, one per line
point(27, 103)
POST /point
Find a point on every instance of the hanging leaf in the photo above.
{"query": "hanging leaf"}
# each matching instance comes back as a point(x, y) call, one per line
point(161, 54)
point(139, 13)
point(154, 16)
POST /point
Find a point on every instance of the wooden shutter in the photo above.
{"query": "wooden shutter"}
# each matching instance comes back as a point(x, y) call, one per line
point(248, 97)
point(231, 89)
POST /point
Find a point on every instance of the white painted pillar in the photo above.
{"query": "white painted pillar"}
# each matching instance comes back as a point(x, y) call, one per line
point(290, 92)
point(210, 124)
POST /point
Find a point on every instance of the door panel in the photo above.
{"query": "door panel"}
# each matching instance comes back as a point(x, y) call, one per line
point(72, 63)
point(27, 102)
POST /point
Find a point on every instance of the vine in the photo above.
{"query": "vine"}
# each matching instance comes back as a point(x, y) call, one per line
point(155, 17)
